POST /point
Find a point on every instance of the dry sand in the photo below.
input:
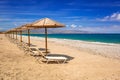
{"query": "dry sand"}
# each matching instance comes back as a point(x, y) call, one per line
point(15, 65)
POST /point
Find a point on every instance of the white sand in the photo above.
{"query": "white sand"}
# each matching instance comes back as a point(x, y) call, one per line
point(15, 65)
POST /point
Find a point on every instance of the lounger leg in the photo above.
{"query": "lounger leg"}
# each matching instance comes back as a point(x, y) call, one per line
point(47, 61)
point(58, 61)
point(39, 59)
point(64, 61)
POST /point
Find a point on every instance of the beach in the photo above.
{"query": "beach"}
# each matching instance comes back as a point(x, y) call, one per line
point(90, 61)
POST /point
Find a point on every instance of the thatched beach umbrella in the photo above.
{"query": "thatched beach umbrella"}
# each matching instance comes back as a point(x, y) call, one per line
point(8, 33)
point(14, 30)
point(45, 23)
point(22, 28)
point(20, 31)
point(11, 35)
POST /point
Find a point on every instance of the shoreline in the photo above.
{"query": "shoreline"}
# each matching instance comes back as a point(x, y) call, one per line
point(81, 37)
point(102, 49)
point(95, 42)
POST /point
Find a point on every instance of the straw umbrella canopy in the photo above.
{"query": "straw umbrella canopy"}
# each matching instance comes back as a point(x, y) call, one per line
point(45, 23)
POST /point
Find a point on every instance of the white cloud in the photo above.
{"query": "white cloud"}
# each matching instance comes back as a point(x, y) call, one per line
point(113, 17)
point(67, 25)
point(15, 24)
point(105, 29)
point(73, 25)
point(100, 29)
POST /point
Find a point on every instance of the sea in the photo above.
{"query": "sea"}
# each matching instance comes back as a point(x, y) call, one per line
point(104, 38)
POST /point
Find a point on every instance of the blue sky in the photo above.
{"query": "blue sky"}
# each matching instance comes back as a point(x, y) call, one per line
point(84, 15)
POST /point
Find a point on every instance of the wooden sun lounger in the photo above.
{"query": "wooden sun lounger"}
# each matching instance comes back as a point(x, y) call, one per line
point(52, 57)
point(55, 58)
point(48, 58)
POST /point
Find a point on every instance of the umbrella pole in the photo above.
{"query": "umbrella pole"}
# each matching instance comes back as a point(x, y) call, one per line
point(20, 36)
point(29, 37)
point(16, 35)
point(13, 35)
point(10, 35)
point(46, 39)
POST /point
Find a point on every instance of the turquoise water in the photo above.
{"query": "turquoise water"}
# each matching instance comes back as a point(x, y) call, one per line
point(106, 38)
